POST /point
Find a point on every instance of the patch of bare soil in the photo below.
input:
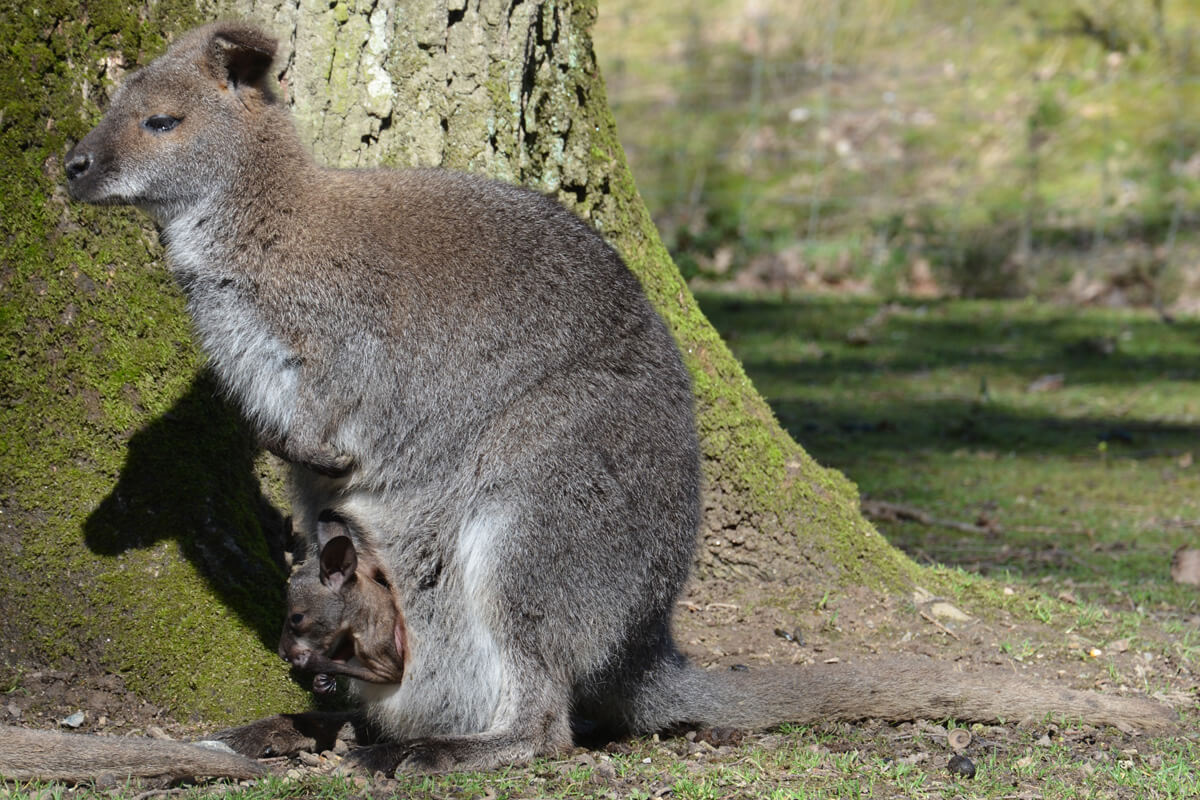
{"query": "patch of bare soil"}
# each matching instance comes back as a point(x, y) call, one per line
point(730, 625)
point(724, 624)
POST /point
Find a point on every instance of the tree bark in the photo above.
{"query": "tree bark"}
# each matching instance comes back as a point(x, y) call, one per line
point(146, 530)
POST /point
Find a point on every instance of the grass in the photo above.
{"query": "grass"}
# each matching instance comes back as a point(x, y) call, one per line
point(823, 762)
point(1068, 437)
point(1089, 487)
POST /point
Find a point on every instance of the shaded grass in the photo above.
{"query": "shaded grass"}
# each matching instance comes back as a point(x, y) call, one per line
point(1087, 477)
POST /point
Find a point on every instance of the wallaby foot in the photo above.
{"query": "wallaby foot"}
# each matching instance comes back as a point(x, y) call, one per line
point(450, 754)
point(287, 734)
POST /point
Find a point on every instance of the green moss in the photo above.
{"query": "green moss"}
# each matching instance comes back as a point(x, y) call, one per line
point(130, 496)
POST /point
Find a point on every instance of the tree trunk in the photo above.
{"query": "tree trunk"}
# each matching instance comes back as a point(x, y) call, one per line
point(144, 532)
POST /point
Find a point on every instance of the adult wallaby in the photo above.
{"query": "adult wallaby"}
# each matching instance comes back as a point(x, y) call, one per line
point(341, 617)
point(468, 373)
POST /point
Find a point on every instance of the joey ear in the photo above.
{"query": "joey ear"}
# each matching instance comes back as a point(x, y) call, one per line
point(329, 525)
point(339, 560)
point(240, 54)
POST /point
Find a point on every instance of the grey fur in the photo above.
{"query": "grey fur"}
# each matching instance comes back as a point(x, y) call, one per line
point(464, 370)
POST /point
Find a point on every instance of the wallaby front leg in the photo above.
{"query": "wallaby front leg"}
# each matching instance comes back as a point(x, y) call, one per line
point(317, 456)
point(287, 734)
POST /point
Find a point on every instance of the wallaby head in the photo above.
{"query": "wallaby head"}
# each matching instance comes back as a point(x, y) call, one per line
point(175, 130)
point(342, 618)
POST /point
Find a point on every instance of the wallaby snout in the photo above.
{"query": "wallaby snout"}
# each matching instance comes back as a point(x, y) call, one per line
point(77, 165)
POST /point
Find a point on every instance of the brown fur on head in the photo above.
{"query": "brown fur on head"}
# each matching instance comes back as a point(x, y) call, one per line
point(188, 107)
point(342, 616)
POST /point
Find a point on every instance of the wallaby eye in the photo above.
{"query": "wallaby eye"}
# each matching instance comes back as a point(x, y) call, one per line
point(297, 619)
point(160, 123)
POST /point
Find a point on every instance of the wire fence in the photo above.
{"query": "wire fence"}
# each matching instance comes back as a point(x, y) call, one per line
point(970, 147)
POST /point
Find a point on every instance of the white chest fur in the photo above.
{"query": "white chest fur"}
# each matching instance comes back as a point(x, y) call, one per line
point(254, 365)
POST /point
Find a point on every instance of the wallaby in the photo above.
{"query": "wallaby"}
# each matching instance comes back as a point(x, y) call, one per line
point(471, 375)
point(342, 618)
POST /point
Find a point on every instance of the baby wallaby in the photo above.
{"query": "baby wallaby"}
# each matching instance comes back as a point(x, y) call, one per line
point(342, 618)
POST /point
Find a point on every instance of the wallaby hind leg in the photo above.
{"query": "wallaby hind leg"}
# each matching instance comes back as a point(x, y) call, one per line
point(479, 751)
point(533, 720)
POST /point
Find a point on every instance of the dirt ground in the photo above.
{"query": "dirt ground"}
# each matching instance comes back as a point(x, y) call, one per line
point(723, 625)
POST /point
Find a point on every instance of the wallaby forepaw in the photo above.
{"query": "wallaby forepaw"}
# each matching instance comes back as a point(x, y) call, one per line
point(328, 462)
point(323, 459)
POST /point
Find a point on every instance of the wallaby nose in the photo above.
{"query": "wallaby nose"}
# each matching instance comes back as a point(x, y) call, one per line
point(77, 164)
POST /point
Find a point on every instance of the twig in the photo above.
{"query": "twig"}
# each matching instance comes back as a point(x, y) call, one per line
point(881, 509)
point(938, 625)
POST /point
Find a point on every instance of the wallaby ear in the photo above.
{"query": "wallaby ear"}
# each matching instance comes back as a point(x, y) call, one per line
point(240, 54)
point(339, 560)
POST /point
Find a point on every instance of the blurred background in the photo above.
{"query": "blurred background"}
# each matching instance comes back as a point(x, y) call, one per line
point(954, 243)
point(928, 148)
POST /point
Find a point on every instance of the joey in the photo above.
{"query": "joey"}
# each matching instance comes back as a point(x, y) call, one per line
point(341, 616)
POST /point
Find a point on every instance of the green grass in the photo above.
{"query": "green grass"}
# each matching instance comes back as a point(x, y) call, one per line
point(865, 137)
point(1091, 484)
point(801, 763)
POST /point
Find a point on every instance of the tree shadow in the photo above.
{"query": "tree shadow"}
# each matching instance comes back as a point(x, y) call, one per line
point(190, 476)
point(867, 409)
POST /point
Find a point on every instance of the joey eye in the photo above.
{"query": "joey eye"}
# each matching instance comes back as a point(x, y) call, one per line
point(297, 619)
point(160, 123)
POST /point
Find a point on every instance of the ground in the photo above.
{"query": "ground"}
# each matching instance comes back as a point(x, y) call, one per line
point(1067, 499)
point(723, 625)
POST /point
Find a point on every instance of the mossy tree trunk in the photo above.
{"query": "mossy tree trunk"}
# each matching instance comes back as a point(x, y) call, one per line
point(142, 529)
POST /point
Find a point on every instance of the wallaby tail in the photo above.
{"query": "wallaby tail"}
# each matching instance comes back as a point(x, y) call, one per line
point(48, 755)
point(893, 688)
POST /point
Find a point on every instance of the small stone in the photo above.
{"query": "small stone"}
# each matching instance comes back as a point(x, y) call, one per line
point(604, 772)
point(961, 765)
point(156, 732)
point(943, 610)
point(309, 759)
point(1185, 566)
point(73, 721)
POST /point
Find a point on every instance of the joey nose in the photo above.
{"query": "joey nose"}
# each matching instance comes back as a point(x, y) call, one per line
point(78, 164)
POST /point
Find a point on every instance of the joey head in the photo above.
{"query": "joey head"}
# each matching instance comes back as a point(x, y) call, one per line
point(466, 370)
point(341, 616)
